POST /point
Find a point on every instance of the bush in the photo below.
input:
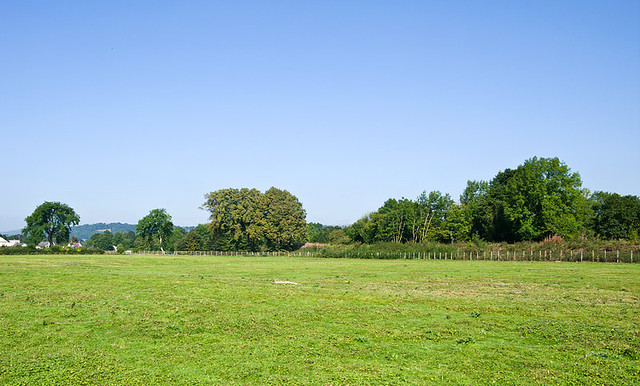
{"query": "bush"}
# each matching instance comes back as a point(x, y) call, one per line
point(17, 250)
point(55, 250)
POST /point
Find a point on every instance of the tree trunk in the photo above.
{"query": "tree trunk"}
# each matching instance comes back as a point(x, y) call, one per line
point(426, 226)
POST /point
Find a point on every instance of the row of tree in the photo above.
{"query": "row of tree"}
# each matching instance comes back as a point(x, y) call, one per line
point(540, 198)
point(241, 220)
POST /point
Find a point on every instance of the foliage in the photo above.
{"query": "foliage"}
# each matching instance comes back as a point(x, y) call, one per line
point(248, 220)
point(107, 241)
point(338, 236)
point(405, 220)
point(55, 250)
point(458, 223)
point(475, 199)
point(237, 218)
point(198, 239)
point(540, 198)
point(615, 216)
point(102, 240)
point(284, 220)
point(319, 233)
point(155, 228)
point(84, 232)
point(554, 248)
point(51, 221)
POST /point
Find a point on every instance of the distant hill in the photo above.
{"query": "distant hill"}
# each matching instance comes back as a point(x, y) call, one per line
point(11, 233)
point(83, 232)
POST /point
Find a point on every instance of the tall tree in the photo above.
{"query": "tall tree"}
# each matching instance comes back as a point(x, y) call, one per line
point(285, 224)
point(433, 208)
point(316, 233)
point(616, 216)
point(246, 219)
point(541, 197)
point(475, 200)
point(155, 228)
point(103, 240)
point(237, 218)
point(405, 220)
point(364, 230)
point(457, 225)
point(51, 220)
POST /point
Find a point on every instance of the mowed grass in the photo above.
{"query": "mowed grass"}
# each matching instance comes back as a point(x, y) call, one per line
point(224, 320)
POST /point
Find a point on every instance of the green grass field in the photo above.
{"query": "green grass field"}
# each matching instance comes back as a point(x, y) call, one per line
point(224, 320)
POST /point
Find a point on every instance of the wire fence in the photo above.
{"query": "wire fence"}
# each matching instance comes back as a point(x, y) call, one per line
point(602, 256)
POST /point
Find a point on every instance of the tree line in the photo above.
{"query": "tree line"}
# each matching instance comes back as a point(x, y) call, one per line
point(539, 199)
point(240, 220)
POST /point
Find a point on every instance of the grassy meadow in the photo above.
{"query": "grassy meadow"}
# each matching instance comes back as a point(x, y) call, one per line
point(143, 320)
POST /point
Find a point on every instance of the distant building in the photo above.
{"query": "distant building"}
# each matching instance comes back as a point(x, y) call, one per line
point(44, 244)
point(10, 243)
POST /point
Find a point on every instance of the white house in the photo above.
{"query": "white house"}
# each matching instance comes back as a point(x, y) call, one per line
point(44, 244)
point(10, 243)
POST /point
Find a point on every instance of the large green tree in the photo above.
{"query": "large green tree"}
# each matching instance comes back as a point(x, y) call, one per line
point(616, 216)
point(539, 198)
point(405, 220)
point(433, 209)
point(51, 221)
point(155, 228)
point(237, 218)
point(457, 225)
point(248, 220)
point(285, 219)
point(542, 197)
point(476, 203)
point(364, 230)
point(103, 240)
point(198, 239)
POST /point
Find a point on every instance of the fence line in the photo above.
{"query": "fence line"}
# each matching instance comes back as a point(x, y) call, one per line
point(580, 255)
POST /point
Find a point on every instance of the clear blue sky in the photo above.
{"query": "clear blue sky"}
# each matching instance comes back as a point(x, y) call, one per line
point(120, 107)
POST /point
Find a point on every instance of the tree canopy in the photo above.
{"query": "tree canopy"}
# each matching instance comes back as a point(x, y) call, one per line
point(540, 198)
point(616, 216)
point(155, 228)
point(247, 219)
point(51, 221)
